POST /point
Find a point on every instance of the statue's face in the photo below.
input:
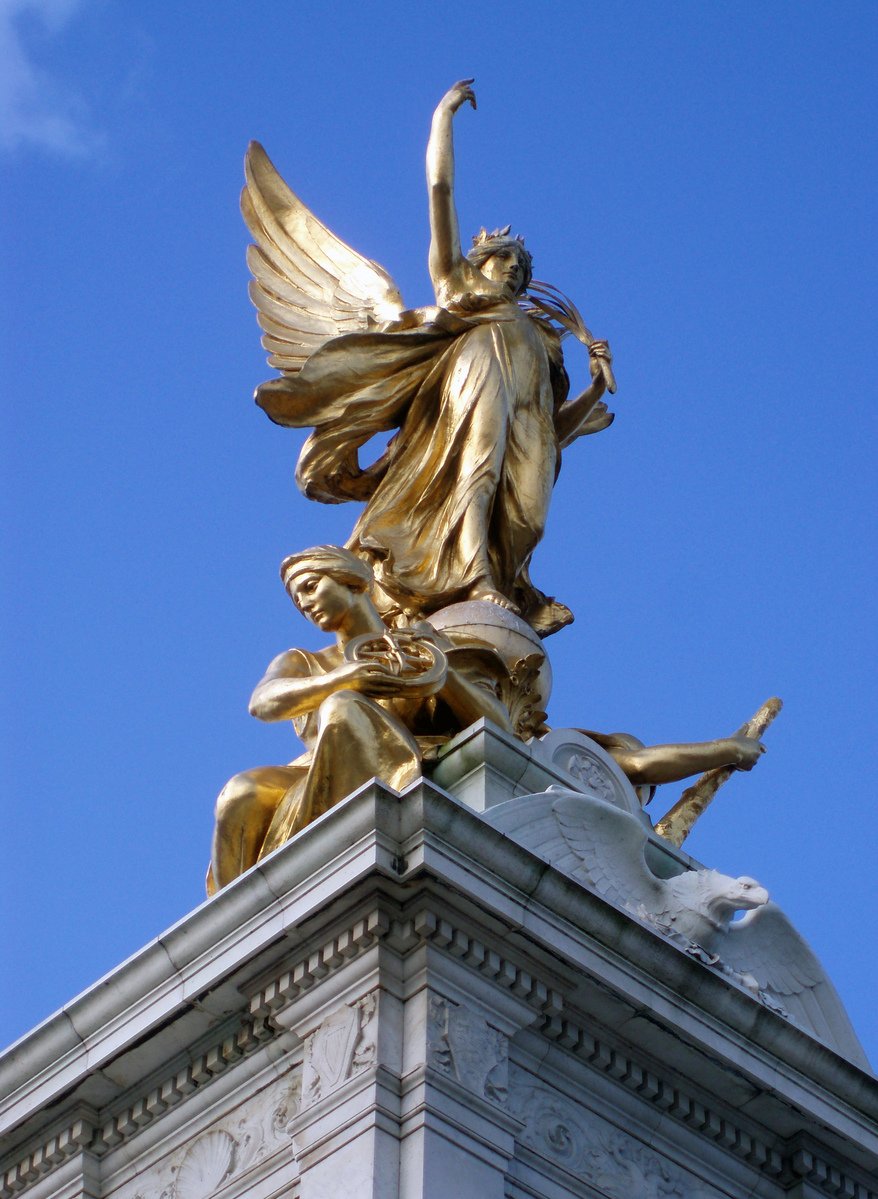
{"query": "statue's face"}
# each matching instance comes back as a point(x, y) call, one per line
point(323, 599)
point(505, 267)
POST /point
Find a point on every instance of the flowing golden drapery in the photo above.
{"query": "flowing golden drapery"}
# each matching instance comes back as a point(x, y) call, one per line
point(463, 490)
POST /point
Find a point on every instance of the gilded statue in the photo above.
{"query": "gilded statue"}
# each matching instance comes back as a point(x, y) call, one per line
point(435, 619)
point(378, 701)
point(368, 705)
point(475, 388)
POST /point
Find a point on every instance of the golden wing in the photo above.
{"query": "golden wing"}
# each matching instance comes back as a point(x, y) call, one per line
point(307, 286)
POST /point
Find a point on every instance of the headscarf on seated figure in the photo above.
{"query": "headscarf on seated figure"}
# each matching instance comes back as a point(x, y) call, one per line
point(365, 707)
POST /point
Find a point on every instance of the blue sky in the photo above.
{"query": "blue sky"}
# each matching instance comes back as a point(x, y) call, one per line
point(697, 177)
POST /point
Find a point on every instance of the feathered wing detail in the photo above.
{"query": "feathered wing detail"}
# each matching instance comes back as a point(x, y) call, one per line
point(603, 848)
point(588, 839)
point(308, 286)
point(764, 943)
point(609, 845)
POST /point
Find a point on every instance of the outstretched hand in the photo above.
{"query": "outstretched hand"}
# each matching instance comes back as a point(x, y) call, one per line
point(748, 749)
point(458, 95)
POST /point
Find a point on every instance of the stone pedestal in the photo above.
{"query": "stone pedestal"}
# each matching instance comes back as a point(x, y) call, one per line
point(404, 1001)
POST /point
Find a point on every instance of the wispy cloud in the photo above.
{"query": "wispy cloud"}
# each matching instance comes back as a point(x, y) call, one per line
point(37, 108)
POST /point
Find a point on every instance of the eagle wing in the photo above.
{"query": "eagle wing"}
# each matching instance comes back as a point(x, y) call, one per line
point(764, 943)
point(609, 847)
point(308, 286)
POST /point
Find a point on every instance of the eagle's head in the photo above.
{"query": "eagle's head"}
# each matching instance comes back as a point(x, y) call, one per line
point(723, 896)
point(701, 903)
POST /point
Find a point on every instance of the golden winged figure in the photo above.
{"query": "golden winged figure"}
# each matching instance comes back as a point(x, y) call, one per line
point(474, 387)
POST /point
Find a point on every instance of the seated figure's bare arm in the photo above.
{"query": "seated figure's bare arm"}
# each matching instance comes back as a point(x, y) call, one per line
point(288, 689)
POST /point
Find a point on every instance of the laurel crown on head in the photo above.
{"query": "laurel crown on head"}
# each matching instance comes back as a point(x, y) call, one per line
point(485, 244)
point(499, 234)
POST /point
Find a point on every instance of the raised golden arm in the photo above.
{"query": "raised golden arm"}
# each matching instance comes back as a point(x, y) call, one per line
point(446, 259)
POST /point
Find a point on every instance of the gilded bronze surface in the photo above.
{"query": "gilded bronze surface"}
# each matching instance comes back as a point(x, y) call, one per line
point(366, 706)
point(678, 823)
point(476, 387)
point(649, 766)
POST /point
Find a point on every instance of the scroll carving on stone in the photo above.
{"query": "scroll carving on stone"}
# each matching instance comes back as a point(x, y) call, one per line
point(594, 1151)
point(465, 1047)
point(523, 696)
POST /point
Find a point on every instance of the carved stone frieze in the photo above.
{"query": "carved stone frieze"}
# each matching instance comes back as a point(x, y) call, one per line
point(366, 1048)
point(208, 1163)
point(594, 1151)
point(424, 925)
point(343, 1045)
point(344, 947)
point(592, 774)
point(463, 1046)
point(590, 765)
point(47, 1157)
point(664, 1095)
point(152, 1105)
point(217, 1156)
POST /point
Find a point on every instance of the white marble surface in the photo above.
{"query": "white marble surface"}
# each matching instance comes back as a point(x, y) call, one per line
point(404, 996)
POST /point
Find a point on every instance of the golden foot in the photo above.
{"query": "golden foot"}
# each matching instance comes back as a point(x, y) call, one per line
point(482, 591)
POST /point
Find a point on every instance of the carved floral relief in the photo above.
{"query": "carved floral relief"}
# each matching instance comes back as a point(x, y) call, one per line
point(593, 774)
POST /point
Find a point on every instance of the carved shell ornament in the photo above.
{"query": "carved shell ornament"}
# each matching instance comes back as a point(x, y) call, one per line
point(206, 1166)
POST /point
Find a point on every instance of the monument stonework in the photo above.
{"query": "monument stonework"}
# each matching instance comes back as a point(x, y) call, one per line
point(445, 950)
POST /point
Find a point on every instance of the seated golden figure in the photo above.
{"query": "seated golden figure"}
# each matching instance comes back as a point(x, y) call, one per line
point(365, 707)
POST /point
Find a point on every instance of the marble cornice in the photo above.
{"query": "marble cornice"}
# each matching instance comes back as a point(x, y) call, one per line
point(415, 874)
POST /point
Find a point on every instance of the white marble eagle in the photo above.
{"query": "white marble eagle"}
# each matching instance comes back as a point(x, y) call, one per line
point(605, 849)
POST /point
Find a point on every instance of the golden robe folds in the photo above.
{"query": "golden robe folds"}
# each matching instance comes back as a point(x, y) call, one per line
point(473, 389)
